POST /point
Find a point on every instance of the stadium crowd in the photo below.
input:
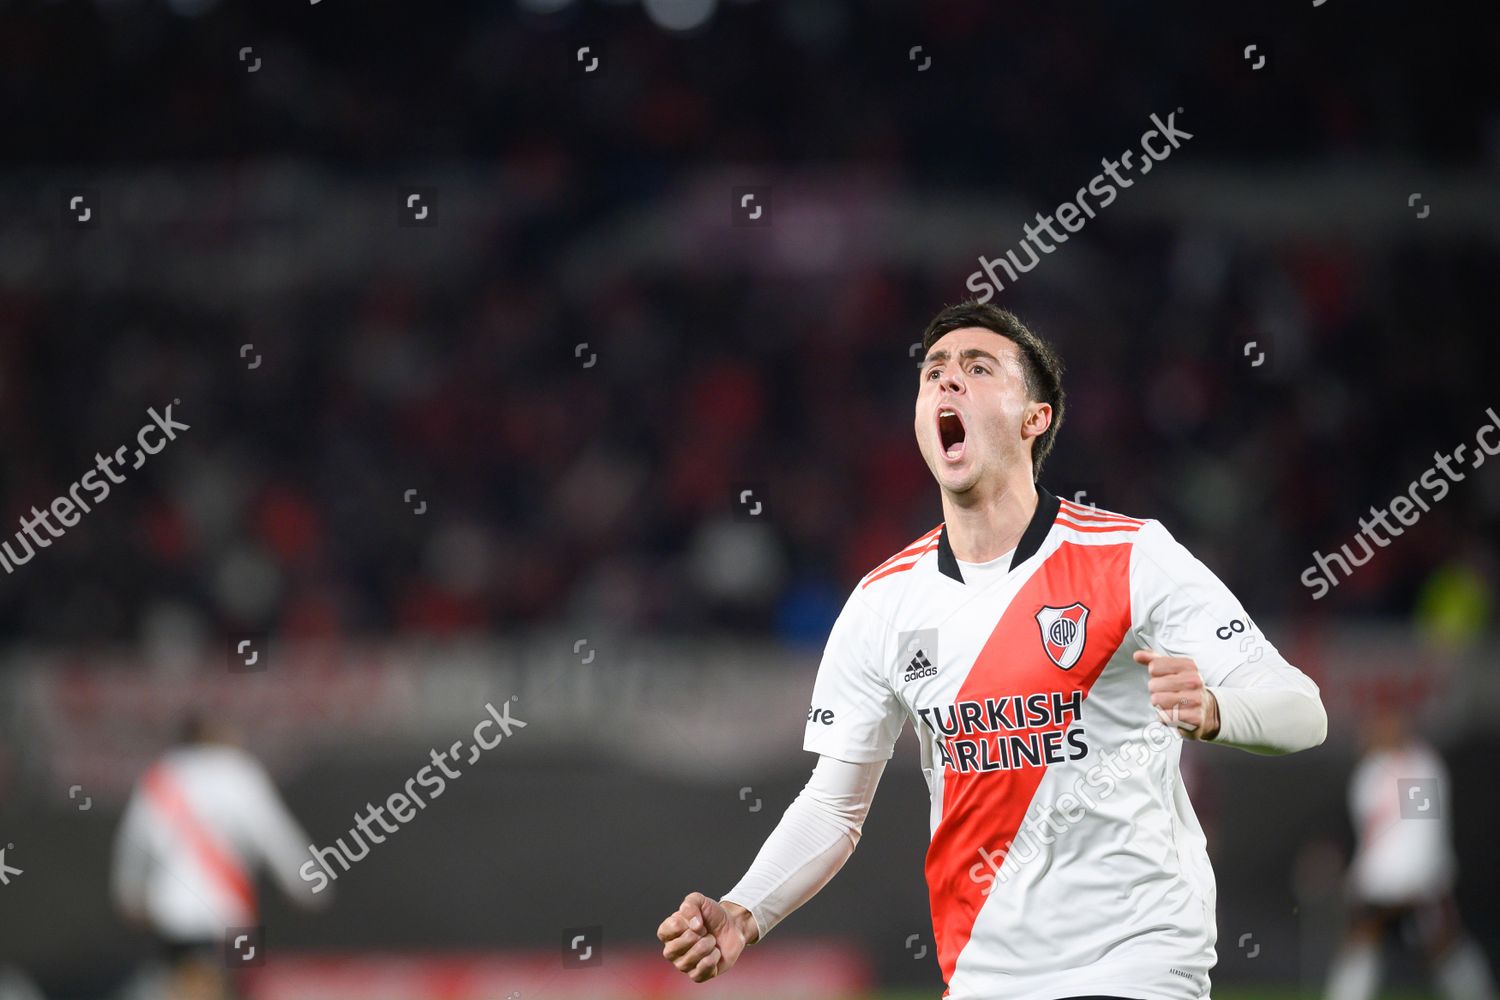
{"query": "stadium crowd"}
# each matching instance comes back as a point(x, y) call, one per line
point(439, 456)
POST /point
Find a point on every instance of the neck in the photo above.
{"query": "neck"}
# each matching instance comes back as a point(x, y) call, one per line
point(985, 526)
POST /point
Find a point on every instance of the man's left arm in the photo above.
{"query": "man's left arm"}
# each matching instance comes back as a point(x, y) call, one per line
point(1211, 670)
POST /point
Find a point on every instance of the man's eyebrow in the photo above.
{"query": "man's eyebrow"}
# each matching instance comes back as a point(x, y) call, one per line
point(968, 352)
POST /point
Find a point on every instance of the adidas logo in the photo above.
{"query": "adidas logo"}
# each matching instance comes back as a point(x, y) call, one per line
point(919, 666)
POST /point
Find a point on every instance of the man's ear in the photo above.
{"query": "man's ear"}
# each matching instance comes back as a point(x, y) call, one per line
point(1038, 418)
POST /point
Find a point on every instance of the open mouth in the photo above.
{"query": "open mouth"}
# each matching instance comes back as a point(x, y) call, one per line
point(951, 433)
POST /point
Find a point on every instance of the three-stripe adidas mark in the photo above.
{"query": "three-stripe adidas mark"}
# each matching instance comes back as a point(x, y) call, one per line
point(919, 666)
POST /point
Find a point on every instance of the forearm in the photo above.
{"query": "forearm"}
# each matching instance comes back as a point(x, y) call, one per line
point(801, 856)
point(816, 835)
point(284, 850)
point(1269, 720)
point(128, 881)
point(130, 863)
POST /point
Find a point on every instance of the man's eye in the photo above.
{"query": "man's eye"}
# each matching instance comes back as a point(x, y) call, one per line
point(931, 372)
point(980, 368)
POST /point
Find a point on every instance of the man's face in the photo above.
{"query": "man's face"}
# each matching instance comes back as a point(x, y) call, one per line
point(973, 416)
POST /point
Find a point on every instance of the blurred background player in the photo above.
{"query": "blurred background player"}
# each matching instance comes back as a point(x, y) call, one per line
point(1403, 870)
point(199, 824)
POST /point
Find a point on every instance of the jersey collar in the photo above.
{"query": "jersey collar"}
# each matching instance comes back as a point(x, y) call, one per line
point(1047, 507)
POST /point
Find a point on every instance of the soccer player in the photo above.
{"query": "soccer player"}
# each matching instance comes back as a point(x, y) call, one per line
point(1403, 868)
point(1052, 657)
point(199, 823)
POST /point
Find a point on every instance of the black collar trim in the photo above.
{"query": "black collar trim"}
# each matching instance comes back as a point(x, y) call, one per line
point(1042, 519)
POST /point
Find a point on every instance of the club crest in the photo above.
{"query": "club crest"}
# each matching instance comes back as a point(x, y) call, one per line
point(1063, 633)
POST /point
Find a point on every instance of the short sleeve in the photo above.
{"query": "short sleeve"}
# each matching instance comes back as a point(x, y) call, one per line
point(1180, 608)
point(855, 716)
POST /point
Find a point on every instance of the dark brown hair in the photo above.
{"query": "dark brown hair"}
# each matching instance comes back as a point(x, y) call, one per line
point(1042, 367)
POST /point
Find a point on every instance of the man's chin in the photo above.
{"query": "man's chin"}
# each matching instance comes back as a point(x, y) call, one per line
point(954, 477)
point(957, 478)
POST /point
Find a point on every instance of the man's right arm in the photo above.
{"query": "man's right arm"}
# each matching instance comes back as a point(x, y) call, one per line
point(816, 835)
point(852, 725)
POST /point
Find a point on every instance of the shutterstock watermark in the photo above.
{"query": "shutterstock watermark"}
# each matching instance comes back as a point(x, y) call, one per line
point(1319, 577)
point(69, 507)
point(1074, 215)
point(1095, 785)
point(403, 805)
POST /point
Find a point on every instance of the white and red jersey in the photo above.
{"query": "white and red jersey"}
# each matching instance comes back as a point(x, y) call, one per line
point(1065, 859)
point(197, 827)
point(1399, 801)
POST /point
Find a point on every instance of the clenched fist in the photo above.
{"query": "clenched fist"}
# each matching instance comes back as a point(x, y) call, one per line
point(1178, 694)
point(704, 939)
